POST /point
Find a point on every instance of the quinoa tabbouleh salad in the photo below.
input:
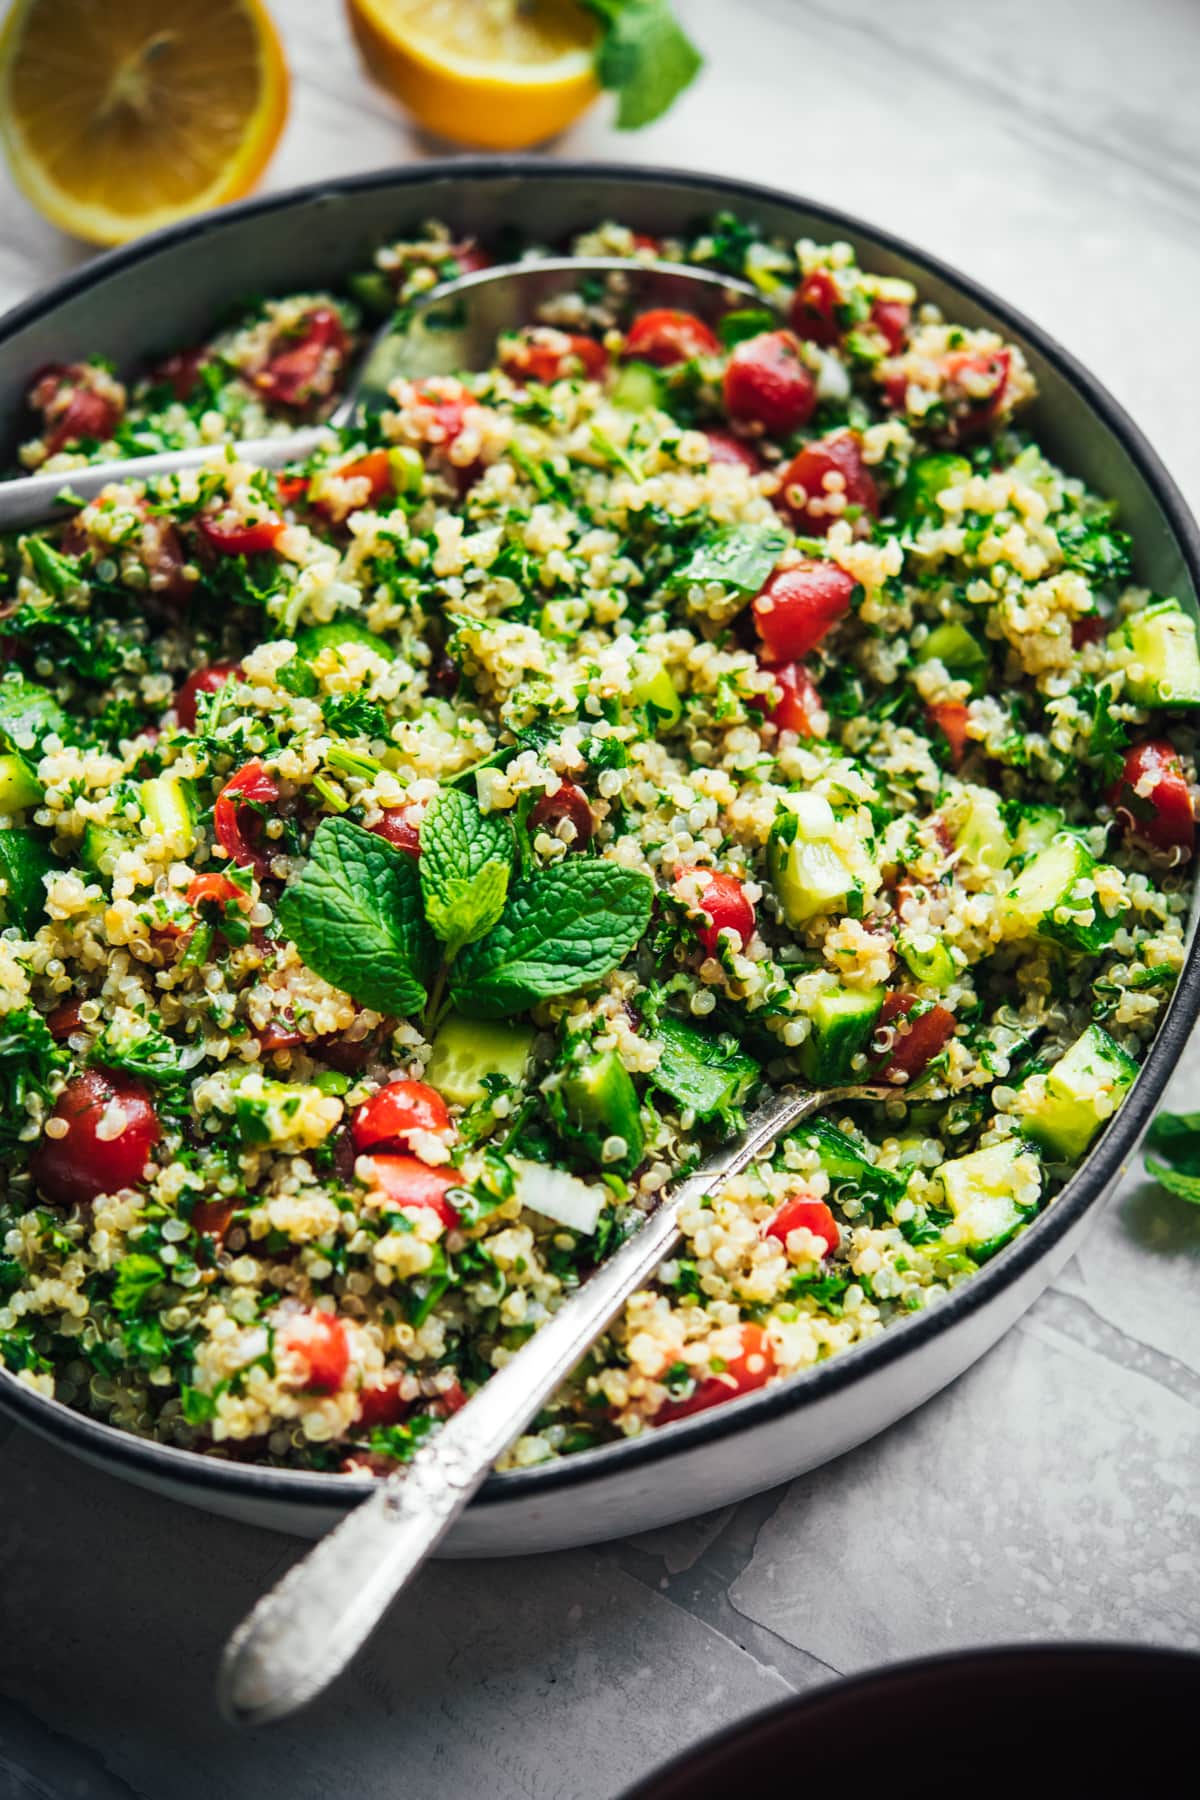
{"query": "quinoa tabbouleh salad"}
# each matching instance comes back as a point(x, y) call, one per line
point(410, 862)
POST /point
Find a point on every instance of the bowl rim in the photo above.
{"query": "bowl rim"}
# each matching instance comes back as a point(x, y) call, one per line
point(54, 1419)
point(1078, 1658)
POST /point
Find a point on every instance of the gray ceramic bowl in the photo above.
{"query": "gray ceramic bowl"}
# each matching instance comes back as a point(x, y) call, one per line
point(168, 290)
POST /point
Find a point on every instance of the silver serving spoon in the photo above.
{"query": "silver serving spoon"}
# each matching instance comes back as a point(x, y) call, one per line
point(451, 329)
point(305, 1631)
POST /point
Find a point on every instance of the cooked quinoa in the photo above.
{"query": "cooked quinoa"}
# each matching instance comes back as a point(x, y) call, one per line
point(410, 863)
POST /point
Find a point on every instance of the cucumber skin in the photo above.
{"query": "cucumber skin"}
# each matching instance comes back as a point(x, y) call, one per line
point(19, 786)
point(842, 1025)
point(1060, 1117)
point(24, 860)
point(594, 1101)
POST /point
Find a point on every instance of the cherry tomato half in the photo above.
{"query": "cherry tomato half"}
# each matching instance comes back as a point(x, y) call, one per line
point(799, 707)
point(804, 1211)
point(402, 1107)
point(307, 368)
point(375, 468)
point(71, 408)
point(724, 447)
point(665, 337)
point(230, 536)
point(408, 1182)
point(751, 1368)
point(825, 480)
point(768, 383)
point(723, 898)
point(796, 607)
point(917, 1040)
point(891, 320)
point(543, 353)
point(567, 802)
point(951, 718)
point(73, 1170)
point(814, 306)
point(234, 816)
point(394, 825)
point(1152, 799)
point(320, 1345)
point(209, 680)
point(381, 1402)
point(64, 1021)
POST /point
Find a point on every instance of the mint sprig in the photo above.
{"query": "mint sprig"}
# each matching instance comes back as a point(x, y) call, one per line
point(562, 928)
point(739, 557)
point(1177, 1169)
point(356, 916)
point(644, 56)
point(466, 862)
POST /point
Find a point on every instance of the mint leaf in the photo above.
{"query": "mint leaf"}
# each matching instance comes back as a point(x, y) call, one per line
point(466, 861)
point(136, 1275)
point(738, 556)
point(355, 915)
point(644, 56)
point(562, 928)
point(1176, 1181)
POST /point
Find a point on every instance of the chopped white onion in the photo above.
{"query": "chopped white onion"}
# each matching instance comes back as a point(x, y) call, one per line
point(559, 1196)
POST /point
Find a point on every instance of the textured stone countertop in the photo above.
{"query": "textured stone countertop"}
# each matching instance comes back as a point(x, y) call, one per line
point(1053, 151)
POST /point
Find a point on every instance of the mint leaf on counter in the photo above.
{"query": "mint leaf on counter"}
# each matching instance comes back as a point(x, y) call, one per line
point(466, 861)
point(1177, 1137)
point(355, 915)
point(562, 928)
point(737, 556)
point(644, 56)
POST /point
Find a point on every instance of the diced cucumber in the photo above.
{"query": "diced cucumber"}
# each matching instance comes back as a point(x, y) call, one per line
point(982, 836)
point(928, 477)
point(651, 686)
point(991, 1193)
point(703, 1071)
point(638, 388)
point(842, 1022)
point(25, 860)
point(1063, 1109)
point(19, 786)
point(1054, 898)
point(315, 638)
point(928, 958)
point(100, 847)
point(1037, 826)
point(1158, 651)
point(962, 655)
point(596, 1100)
point(28, 713)
point(170, 805)
point(465, 1050)
point(850, 1170)
point(808, 874)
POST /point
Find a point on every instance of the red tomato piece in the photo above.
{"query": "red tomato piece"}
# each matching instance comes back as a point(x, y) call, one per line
point(73, 1170)
point(799, 707)
point(543, 353)
point(208, 680)
point(891, 320)
point(650, 246)
point(308, 367)
point(234, 815)
point(410, 1183)
point(751, 1368)
point(796, 607)
point(318, 1341)
point(723, 898)
point(923, 1036)
point(724, 447)
point(811, 1214)
point(567, 802)
point(181, 371)
point(665, 337)
point(449, 1401)
point(1152, 799)
point(281, 1034)
point(212, 1218)
point(951, 718)
point(470, 257)
point(768, 383)
point(1088, 630)
point(216, 891)
point(444, 404)
point(396, 828)
point(975, 385)
point(72, 410)
point(381, 1402)
point(231, 536)
point(833, 477)
point(165, 562)
point(814, 306)
point(388, 1117)
point(64, 1021)
point(375, 467)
